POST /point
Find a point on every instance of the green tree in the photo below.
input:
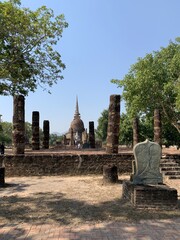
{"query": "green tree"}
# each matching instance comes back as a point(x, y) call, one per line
point(101, 130)
point(154, 82)
point(126, 132)
point(146, 128)
point(54, 138)
point(170, 136)
point(28, 58)
point(6, 132)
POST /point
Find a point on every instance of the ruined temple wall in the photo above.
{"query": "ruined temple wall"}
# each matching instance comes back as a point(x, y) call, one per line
point(46, 165)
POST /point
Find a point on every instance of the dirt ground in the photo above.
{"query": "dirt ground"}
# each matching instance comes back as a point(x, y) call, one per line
point(71, 201)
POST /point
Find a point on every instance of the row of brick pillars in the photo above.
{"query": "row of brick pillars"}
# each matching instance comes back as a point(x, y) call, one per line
point(157, 128)
point(19, 127)
point(112, 140)
point(112, 132)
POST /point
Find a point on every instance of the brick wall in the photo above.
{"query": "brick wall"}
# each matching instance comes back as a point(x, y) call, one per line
point(54, 164)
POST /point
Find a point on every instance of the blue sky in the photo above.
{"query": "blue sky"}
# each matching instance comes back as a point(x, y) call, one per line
point(104, 38)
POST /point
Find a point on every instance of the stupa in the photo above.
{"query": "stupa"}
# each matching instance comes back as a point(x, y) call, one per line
point(77, 133)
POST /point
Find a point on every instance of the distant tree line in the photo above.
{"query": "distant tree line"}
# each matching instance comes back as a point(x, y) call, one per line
point(6, 134)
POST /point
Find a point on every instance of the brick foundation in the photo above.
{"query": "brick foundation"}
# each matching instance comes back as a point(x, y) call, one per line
point(146, 196)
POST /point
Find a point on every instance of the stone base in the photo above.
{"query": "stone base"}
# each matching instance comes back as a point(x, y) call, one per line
point(110, 174)
point(150, 196)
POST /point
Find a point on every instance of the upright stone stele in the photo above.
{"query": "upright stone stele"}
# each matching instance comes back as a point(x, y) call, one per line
point(135, 131)
point(147, 161)
point(146, 189)
point(18, 131)
point(91, 135)
point(35, 131)
point(113, 124)
point(157, 127)
point(46, 134)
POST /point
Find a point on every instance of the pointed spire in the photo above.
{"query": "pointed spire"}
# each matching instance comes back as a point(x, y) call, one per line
point(77, 114)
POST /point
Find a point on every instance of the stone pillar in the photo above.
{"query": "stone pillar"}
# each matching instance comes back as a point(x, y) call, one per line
point(91, 135)
point(2, 176)
point(157, 127)
point(18, 131)
point(135, 131)
point(113, 124)
point(72, 137)
point(64, 140)
point(85, 137)
point(110, 174)
point(46, 134)
point(35, 131)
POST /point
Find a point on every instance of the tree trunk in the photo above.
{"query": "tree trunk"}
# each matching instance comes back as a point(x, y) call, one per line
point(135, 131)
point(157, 127)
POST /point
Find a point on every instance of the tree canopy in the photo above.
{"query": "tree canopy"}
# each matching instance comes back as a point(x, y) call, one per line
point(170, 136)
point(27, 54)
point(154, 82)
point(101, 130)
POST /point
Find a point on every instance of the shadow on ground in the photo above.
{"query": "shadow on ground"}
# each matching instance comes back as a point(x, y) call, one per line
point(14, 233)
point(56, 208)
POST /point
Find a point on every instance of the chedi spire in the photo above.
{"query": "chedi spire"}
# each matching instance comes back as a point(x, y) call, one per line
point(77, 114)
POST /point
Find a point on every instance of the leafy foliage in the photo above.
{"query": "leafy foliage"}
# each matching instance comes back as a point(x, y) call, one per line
point(146, 130)
point(101, 130)
point(54, 138)
point(154, 82)
point(126, 132)
point(27, 55)
point(6, 132)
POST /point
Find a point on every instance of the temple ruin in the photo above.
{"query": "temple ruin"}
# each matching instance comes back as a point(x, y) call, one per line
point(77, 133)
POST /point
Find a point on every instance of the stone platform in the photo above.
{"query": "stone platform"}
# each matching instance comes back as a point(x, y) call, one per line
point(150, 196)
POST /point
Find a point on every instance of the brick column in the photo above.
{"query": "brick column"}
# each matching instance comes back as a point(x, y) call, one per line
point(18, 131)
point(64, 140)
point(35, 131)
point(91, 135)
point(135, 131)
point(46, 134)
point(2, 176)
point(72, 137)
point(113, 124)
point(157, 127)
